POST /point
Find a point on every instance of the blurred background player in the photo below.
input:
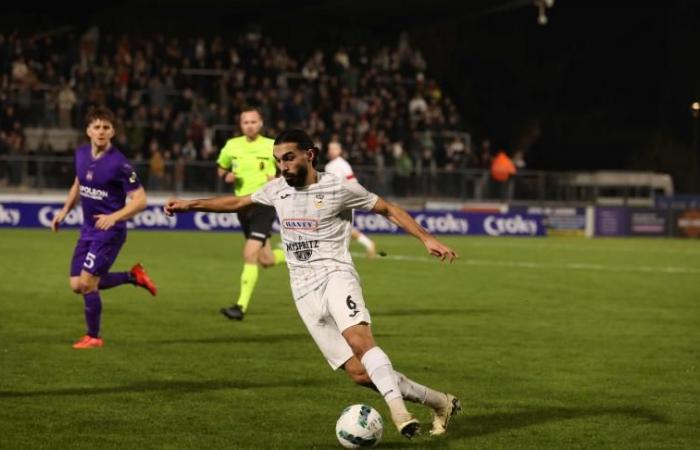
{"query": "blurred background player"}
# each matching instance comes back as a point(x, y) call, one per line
point(338, 166)
point(103, 180)
point(247, 163)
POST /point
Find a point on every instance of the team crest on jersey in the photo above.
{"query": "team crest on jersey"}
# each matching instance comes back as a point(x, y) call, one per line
point(318, 201)
point(88, 175)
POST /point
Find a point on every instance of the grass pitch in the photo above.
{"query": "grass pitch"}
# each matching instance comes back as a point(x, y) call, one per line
point(550, 343)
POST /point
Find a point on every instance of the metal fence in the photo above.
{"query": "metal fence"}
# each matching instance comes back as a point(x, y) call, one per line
point(57, 172)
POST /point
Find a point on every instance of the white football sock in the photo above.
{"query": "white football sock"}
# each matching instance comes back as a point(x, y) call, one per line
point(417, 393)
point(381, 373)
point(365, 241)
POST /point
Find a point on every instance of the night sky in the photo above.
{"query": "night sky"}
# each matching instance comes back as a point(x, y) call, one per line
point(598, 87)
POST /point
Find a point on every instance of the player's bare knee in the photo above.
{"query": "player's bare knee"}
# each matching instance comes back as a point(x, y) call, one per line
point(359, 345)
point(357, 372)
point(360, 339)
point(86, 287)
point(74, 285)
point(361, 378)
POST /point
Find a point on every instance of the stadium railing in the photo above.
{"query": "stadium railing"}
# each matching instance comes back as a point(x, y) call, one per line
point(48, 172)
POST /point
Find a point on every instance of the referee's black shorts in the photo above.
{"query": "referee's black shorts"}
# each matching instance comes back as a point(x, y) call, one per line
point(256, 221)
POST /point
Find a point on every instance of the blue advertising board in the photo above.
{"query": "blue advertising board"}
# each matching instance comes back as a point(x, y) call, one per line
point(558, 221)
point(611, 221)
point(38, 214)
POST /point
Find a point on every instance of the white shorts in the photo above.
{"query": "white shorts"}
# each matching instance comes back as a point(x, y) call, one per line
point(328, 310)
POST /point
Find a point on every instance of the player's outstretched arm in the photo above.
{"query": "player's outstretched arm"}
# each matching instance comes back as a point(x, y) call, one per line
point(225, 203)
point(72, 199)
point(401, 218)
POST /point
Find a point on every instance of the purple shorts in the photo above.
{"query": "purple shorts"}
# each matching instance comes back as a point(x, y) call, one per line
point(95, 257)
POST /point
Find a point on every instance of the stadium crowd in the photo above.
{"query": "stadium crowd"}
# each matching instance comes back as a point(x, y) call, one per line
point(179, 98)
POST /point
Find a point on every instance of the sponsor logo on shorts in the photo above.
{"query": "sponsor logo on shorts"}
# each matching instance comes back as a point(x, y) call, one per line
point(300, 224)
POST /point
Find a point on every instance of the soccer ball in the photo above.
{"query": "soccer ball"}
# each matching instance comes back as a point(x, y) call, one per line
point(359, 426)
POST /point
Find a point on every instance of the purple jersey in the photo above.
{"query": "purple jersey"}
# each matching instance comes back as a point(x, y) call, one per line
point(104, 185)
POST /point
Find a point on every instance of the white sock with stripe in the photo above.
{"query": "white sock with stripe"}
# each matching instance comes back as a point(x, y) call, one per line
point(382, 374)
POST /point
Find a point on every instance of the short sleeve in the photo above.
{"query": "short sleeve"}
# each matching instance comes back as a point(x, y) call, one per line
point(128, 178)
point(224, 159)
point(264, 195)
point(355, 196)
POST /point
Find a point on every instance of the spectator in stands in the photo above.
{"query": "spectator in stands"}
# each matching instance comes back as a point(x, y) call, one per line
point(502, 169)
point(44, 146)
point(156, 167)
point(8, 118)
point(4, 167)
point(484, 157)
point(179, 168)
point(66, 101)
point(418, 107)
point(456, 154)
point(15, 144)
point(519, 159)
point(50, 105)
point(403, 169)
point(368, 99)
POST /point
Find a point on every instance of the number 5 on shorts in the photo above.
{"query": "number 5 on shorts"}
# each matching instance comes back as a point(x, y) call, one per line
point(89, 261)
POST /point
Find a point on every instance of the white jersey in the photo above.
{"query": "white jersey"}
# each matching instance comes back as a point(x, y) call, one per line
point(315, 223)
point(340, 168)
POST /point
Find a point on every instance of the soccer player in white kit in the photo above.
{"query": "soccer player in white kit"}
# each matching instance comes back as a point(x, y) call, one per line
point(338, 166)
point(315, 213)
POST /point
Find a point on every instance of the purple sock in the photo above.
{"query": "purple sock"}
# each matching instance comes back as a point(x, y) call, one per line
point(114, 279)
point(93, 309)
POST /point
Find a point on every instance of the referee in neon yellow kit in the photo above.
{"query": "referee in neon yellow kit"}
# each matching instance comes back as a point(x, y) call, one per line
point(247, 163)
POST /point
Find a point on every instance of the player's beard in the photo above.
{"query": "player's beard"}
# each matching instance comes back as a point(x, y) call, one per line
point(298, 179)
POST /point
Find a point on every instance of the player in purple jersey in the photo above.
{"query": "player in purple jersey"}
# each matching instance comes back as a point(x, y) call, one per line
point(103, 180)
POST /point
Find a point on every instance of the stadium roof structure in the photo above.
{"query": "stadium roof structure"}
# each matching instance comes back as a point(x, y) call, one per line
point(388, 13)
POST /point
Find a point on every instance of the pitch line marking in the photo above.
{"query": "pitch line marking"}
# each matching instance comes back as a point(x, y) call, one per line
point(536, 265)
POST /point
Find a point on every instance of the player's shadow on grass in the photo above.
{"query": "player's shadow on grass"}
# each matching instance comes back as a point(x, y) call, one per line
point(466, 426)
point(166, 386)
point(240, 339)
point(428, 312)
